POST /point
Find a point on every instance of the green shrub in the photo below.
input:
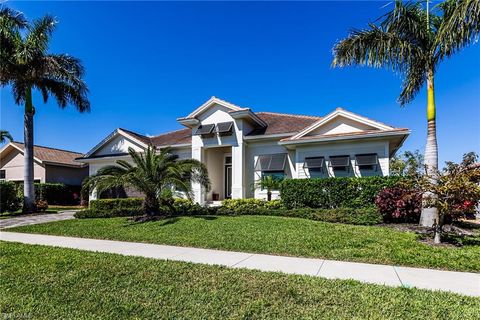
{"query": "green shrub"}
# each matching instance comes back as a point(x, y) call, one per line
point(251, 203)
point(358, 216)
point(185, 207)
point(116, 204)
point(54, 193)
point(328, 193)
point(89, 213)
point(9, 200)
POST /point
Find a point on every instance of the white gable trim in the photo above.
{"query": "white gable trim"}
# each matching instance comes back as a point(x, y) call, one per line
point(344, 113)
point(379, 134)
point(209, 103)
point(11, 145)
point(112, 135)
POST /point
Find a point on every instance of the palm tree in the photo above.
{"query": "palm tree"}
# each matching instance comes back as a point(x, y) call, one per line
point(26, 65)
point(269, 183)
point(412, 41)
point(153, 174)
point(5, 135)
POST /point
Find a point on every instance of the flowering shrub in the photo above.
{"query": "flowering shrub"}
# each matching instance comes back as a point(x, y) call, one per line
point(455, 191)
point(399, 204)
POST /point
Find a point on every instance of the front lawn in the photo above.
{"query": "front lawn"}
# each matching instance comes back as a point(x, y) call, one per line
point(277, 235)
point(52, 283)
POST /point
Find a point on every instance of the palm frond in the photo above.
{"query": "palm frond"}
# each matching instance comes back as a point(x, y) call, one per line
point(25, 63)
point(39, 34)
point(374, 48)
point(408, 20)
point(152, 174)
point(460, 27)
point(64, 93)
point(415, 78)
point(5, 135)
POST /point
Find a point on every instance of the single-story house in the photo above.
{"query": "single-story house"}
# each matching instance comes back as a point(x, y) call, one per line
point(50, 165)
point(239, 146)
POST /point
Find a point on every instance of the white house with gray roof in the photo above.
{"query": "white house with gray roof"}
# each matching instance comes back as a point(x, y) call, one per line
point(239, 146)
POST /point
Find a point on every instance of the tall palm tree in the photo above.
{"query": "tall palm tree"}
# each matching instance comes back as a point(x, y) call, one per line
point(5, 135)
point(26, 65)
point(152, 174)
point(412, 40)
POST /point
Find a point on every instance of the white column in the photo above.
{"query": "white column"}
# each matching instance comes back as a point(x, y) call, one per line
point(238, 171)
point(198, 190)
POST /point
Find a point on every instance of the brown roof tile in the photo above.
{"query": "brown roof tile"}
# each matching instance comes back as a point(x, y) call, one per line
point(140, 137)
point(53, 155)
point(182, 136)
point(277, 123)
point(283, 123)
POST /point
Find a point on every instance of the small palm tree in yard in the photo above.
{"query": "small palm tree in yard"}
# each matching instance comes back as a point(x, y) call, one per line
point(412, 40)
point(5, 135)
point(269, 183)
point(25, 65)
point(154, 174)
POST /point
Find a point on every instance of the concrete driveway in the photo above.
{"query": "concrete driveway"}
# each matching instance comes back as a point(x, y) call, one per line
point(36, 219)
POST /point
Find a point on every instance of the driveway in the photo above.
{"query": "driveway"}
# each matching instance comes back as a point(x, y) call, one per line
point(36, 219)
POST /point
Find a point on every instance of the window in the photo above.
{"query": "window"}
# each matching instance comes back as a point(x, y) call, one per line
point(2, 174)
point(274, 174)
point(205, 130)
point(340, 163)
point(315, 166)
point(271, 162)
point(367, 161)
point(225, 128)
point(228, 160)
point(272, 165)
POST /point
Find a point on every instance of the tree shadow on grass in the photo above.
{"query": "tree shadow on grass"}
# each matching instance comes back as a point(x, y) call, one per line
point(162, 221)
point(205, 217)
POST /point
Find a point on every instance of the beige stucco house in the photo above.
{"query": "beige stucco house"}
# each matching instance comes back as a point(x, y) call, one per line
point(50, 165)
point(239, 146)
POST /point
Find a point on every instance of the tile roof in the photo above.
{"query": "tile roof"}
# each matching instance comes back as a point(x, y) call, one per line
point(53, 155)
point(283, 123)
point(140, 137)
point(182, 136)
point(277, 123)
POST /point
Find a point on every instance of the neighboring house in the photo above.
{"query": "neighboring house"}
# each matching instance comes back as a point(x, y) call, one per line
point(240, 146)
point(50, 165)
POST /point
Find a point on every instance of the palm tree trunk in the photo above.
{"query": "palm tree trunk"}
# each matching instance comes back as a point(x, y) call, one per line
point(28, 187)
point(429, 216)
point(150, 205)
point(269, 195)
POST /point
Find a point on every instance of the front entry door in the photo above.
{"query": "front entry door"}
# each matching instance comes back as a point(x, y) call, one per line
point(228, 181)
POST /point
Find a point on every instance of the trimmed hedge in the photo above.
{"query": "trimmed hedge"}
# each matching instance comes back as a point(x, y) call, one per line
point(109, 208)
point(116, 204)
point(9, 200)
point(328, 193)
point(357, 216)
point(89, 213)
point(54, 193)
point(252, 203)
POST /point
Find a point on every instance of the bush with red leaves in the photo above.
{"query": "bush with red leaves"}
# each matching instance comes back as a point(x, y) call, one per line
point(399, 204)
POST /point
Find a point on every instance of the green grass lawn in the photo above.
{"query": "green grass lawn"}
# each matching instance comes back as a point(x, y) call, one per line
point(52, 283)
point(277, 235)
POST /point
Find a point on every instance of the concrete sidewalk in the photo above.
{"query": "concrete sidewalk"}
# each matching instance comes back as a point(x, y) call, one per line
point(36, 219)
point(459, 282)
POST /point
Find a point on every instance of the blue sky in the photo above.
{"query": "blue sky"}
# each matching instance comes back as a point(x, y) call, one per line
point(149, 63)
